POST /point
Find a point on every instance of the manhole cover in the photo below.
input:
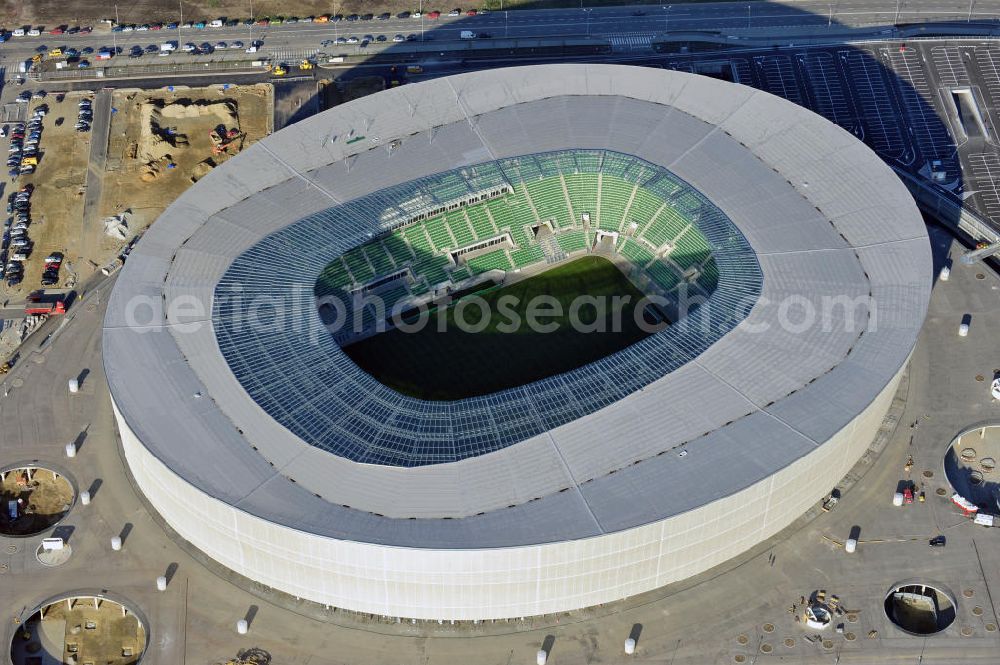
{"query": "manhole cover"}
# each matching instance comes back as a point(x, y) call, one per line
point(980, 275)
point(768, 627)
point(17, 382)
point(928, 474)
point(789, 642)
point(850, 637)
point(742, 639)
point(12, 549)
point(941, 491)
point(3, 567)
point(852, 618)
point(978, 611)
point(968, 593)
point(980, 378)
point(967, 631)
point(990, 627)
point(766, 648)
point(739, 658)
point(827, 644)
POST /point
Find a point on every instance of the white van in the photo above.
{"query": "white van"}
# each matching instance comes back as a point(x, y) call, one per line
point(467, 34)
point(18, 33)
point(217, 23)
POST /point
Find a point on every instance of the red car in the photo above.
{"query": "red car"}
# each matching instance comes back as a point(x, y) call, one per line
point(156, 26)
point(57, 31)
point(471, 12)
point(907, 495)
point(434, 15)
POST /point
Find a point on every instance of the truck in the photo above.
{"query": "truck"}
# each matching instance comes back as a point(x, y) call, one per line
point(45, 308)
point(467, 34)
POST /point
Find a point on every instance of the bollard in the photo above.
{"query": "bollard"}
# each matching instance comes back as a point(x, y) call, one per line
point(161, 583)
point(70, 450)
point(242, 626)
point(629, 646)
point(116, 543)
point(85, 497)
point(74, 386)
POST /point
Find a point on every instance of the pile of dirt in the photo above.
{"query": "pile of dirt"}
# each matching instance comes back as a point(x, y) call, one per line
point(160, 125)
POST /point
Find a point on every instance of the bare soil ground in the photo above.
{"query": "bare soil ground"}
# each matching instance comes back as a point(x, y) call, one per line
point(46, 498)
point(160, 144)
point(92, 635)
point(87, 12)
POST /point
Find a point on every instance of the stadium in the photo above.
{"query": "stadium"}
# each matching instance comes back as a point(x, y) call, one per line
point(295, 441)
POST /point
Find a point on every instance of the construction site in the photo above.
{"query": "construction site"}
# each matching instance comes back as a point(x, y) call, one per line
point(33, 500)
point(93, 193)
point(163, 141)
point(80, 629)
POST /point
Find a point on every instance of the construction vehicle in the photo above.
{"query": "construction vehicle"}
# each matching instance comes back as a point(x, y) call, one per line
point(279, 70)
point(55, 53)
point(306, 64)
point(55, 303)
point(36, 58)
point(222, 138)
point(5, 367)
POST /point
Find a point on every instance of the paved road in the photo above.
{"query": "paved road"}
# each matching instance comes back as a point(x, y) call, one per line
point(730, 17)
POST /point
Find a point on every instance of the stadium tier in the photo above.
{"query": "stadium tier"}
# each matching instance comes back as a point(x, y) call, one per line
point(549, 192)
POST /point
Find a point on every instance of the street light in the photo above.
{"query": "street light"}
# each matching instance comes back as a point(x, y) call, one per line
point(748, 16)
point(666, 18)
point(587, 12)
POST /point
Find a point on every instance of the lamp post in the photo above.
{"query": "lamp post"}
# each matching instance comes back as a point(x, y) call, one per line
point(666, 18)
point(748, 16)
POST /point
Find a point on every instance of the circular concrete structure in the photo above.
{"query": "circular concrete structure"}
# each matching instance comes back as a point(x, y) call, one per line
point(258, 441)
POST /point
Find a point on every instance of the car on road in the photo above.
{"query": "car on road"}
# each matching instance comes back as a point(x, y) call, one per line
point(236, 45)
point(57, 30)
point(434, 15)
point(995, 386)
point(171, 26)
point(156, 26)
point(23, 98)
point(222, 46)
point(471, 12)
point(457, 11)
point(367, 17)
point(402, 15)
point(86, 30)
point(142, 28)
point(399, 38)
point(411, 38)
point(340, 40)
point(381, 38)
point(350, 40)
point(937, 541)
point(127, 28)
point(384, 16)
point(353, 17)
point(189, 47)
point(34, 32)
point(3, 131)
point(72, 31)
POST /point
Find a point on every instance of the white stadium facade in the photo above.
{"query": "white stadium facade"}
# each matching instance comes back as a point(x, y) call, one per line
point(269, 451)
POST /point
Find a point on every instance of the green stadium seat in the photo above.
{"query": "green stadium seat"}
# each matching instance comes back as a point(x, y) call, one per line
point(358, 265)
point(691, 249)
point(460, 228)
point(432, 268)
point(665, 227)
point(495, 260)
point(665, 276)
point(636, 253)
point(397, 248)
point(438, 231)
point(526, 256)
point(416, 235)
point(379, 258)
point(550, 201)
point(615, 195)
point(482, 227)
point(582, 188)
point(571, 241)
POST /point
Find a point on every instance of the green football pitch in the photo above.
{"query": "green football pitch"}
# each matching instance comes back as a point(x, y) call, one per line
point(465, 361)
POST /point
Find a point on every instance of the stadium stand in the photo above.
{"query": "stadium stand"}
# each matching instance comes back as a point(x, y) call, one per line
point(616, 190)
